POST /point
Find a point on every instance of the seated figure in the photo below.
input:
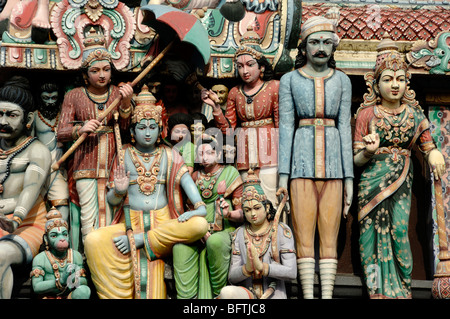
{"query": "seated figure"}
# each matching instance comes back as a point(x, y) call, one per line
point(263, 254)
point(58, 272)
point(126, 259)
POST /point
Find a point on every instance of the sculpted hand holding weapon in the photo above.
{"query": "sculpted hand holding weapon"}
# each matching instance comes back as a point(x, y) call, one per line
point(263, 251)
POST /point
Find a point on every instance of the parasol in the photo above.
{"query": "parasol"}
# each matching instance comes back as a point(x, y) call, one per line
point(167, 21)
point(173, 26)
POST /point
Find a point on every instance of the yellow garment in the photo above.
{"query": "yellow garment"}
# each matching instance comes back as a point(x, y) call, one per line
point(112, 272)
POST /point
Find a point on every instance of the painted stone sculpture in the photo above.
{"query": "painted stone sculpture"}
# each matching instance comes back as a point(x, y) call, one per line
point(80, 110)
point(26, 166)
point(126, 258)
point(388, 124)
point(45, 127)
point(252, 114)
point(201, 269)
point(58, 272)
point(263, 253)
point(316, 153)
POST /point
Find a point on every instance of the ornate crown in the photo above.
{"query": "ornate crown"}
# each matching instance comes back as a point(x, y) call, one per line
point(252, 188)
point(94, 48)
point(388, 57)
point(146, 107)
point(54, 219)
point(250, 43)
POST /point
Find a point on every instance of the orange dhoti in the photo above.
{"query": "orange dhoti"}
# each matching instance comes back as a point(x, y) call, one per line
point(29, 234)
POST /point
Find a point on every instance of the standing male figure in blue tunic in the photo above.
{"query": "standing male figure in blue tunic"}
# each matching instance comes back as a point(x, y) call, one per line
point(315, 157)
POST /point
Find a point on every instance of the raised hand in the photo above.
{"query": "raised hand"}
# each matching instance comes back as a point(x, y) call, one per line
point(121, 179)
point(372, 140)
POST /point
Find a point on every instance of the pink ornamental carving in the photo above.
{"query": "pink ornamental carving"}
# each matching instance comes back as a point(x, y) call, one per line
point(72, 19)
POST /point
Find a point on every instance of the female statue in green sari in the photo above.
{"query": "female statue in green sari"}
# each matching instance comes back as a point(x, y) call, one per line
point(388, 124)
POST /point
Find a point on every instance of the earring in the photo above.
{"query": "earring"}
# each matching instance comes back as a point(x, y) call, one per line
point(28, 125)
point(132, 139)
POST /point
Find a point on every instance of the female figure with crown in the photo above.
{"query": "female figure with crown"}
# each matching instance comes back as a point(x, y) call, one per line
point(126, 259)
point(80, 110)
point(388, 124)
point(201, 269)
point(253, 108)
point(263, 250)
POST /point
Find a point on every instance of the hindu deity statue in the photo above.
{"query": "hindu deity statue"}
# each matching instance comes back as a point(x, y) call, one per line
point(252, 109)
point(25, 166)
point(58, 272)
point(45, 128)
point(388, 124)
point(179, 127)
point(315, 158)
point(201, 269)
point(263, 253)
point(81, 109)
point(126, 259)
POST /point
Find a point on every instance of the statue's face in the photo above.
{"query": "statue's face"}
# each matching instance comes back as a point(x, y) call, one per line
point(99, 74)
point(230, 153)
point(49, 98)
point(255, 212)
point(58, 238)
point(392, 85)
point(197, 128)
point(221, 91)
point(12, 122)
point(319, 47)
point(179, 132)
point(146, 133)
point(207, 155)
point(248, 68)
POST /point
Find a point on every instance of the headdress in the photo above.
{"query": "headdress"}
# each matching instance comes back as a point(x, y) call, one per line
point(252, 188)
point(250, 43)
point(317, 24)
point(388, 57)
point(146, 108)
point(94, 48)
point(54, 219)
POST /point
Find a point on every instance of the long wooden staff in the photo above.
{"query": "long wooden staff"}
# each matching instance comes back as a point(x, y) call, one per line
point(113, 105)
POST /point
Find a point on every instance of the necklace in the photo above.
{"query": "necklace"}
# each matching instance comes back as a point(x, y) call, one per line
point(59, 262)
point(14, 151)
point(147, 179)
point(146, 157)
point(95, 98)
point(52, 127)
point(260, 241)
point(207, 191)
point(250, 97)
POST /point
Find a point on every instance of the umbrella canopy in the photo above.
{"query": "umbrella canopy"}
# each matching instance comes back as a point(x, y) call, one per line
point(167, 20)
